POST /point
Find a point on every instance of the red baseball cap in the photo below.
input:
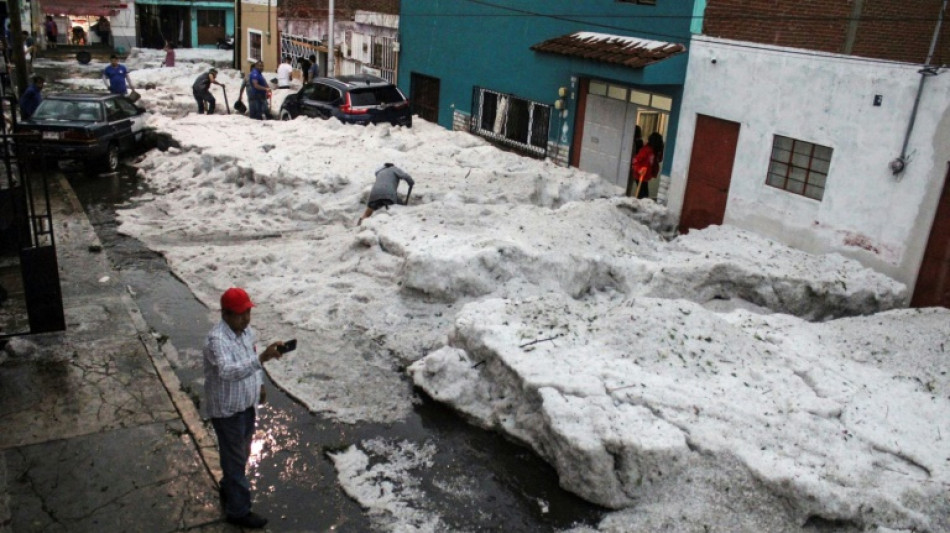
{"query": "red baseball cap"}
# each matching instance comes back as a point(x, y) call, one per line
point(235, 300)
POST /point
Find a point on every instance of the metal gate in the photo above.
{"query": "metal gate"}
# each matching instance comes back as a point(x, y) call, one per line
point(299, 47)
point(27, 229)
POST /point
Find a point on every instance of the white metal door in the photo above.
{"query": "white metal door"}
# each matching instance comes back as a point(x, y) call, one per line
point(607, 143)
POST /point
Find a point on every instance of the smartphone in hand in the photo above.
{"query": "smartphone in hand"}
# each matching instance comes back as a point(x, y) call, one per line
point(288, 346)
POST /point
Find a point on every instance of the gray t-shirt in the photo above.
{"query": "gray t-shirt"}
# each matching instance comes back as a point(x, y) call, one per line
point(203, 83)
point(387, 180)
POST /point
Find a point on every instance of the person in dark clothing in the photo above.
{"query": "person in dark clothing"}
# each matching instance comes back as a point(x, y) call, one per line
point(202, 91)
point(32, 97)
point(304, 68)
point(104, 30)
point(314, 67)
point(383, 193)
point(52, 32)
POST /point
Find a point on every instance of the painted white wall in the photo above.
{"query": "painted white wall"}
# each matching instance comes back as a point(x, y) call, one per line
point(123, 27)
point(825, 99)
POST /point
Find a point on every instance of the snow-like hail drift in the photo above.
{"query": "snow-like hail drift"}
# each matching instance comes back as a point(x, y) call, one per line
point(711, 379)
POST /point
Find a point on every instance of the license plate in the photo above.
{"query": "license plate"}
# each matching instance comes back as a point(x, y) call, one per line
point(52, 135)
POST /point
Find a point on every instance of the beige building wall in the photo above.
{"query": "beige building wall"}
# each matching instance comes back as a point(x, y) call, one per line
point(259, 21)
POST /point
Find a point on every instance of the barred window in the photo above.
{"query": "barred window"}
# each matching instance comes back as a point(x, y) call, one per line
point(254, 45)
point(511, 121)
point(211, 18)
point(799, 167)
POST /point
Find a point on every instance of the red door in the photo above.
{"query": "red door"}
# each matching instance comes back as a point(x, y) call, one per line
point(710, 171)
point(933, 279)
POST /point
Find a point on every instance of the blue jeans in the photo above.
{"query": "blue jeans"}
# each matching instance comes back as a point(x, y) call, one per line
point(256, 108)
point(234, 443)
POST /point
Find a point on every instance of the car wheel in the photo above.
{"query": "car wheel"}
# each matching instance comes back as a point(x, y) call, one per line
point(111, 162)
point(285, 115)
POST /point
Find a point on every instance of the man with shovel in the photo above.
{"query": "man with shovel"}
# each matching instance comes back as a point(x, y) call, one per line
point(202, 91)
point(383, 193)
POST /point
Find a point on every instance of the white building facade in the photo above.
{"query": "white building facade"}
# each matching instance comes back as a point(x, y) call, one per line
point(812, 137)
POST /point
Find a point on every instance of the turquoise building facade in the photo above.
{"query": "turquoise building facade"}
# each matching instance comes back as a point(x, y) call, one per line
point(188, 24)
point(595, 69)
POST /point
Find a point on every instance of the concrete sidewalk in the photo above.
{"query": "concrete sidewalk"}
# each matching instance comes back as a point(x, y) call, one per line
point(95, 432)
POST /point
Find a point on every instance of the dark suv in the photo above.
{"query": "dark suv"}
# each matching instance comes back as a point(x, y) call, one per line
point(359, 99)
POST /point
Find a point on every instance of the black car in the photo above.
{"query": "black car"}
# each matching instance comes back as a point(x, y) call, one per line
point(91, 127)
point(359, 99)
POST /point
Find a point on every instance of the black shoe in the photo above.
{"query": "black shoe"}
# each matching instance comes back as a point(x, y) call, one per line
point(250, 521)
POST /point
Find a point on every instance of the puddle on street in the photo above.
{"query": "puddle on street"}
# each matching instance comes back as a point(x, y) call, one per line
point(507, 487)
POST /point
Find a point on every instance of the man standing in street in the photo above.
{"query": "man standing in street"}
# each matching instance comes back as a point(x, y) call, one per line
point(284, 73)
point(233, 384)
point(116, 76)
point(314, 68)
point(257, 92)
point(202, 91)
point(52, 32)
point(32, 97)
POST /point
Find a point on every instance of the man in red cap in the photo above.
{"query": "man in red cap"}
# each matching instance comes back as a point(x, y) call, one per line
point(233, 384)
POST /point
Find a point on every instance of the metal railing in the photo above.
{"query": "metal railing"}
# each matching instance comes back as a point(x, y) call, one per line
point(25, 184)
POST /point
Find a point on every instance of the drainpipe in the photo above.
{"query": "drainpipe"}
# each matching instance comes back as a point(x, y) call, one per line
point(237, 59)
point(853, 26)
point(898, 165)
point(330, 54)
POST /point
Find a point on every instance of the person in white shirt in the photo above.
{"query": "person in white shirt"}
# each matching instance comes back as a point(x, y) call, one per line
point(284, 72)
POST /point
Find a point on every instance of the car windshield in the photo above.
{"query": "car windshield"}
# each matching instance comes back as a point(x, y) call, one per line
point(68, 110)
point(376, 95)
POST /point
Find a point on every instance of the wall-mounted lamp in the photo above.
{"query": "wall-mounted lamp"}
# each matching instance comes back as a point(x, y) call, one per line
point(559, 104)
point(562, 92)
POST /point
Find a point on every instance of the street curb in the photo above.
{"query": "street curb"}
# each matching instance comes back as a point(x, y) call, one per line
point(204, 443)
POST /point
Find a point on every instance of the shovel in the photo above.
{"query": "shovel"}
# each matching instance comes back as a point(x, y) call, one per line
point(409, 192)
point(226, 106)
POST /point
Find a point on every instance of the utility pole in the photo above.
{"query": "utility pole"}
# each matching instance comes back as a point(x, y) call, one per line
point(16, 31)
point(330, 68)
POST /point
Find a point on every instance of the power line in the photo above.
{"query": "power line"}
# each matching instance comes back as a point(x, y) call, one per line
point(516, 12)
point(579, 18)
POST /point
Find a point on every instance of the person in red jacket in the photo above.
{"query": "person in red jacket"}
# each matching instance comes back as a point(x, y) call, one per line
point(646, 164)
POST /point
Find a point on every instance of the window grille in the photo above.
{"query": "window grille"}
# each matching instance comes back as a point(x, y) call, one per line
point(299, 47)
point(511, 121)
point(254, 44)
point(799, 167)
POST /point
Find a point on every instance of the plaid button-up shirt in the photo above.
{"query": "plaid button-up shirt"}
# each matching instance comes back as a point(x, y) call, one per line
point(233, 373)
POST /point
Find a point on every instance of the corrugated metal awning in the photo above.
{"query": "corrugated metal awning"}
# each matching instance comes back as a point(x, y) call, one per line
point(615, 49)
point(98, 8)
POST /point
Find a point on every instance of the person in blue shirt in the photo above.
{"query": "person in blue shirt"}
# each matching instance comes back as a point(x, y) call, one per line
point(257, 91)
point(32, 97)
point(116, 77)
